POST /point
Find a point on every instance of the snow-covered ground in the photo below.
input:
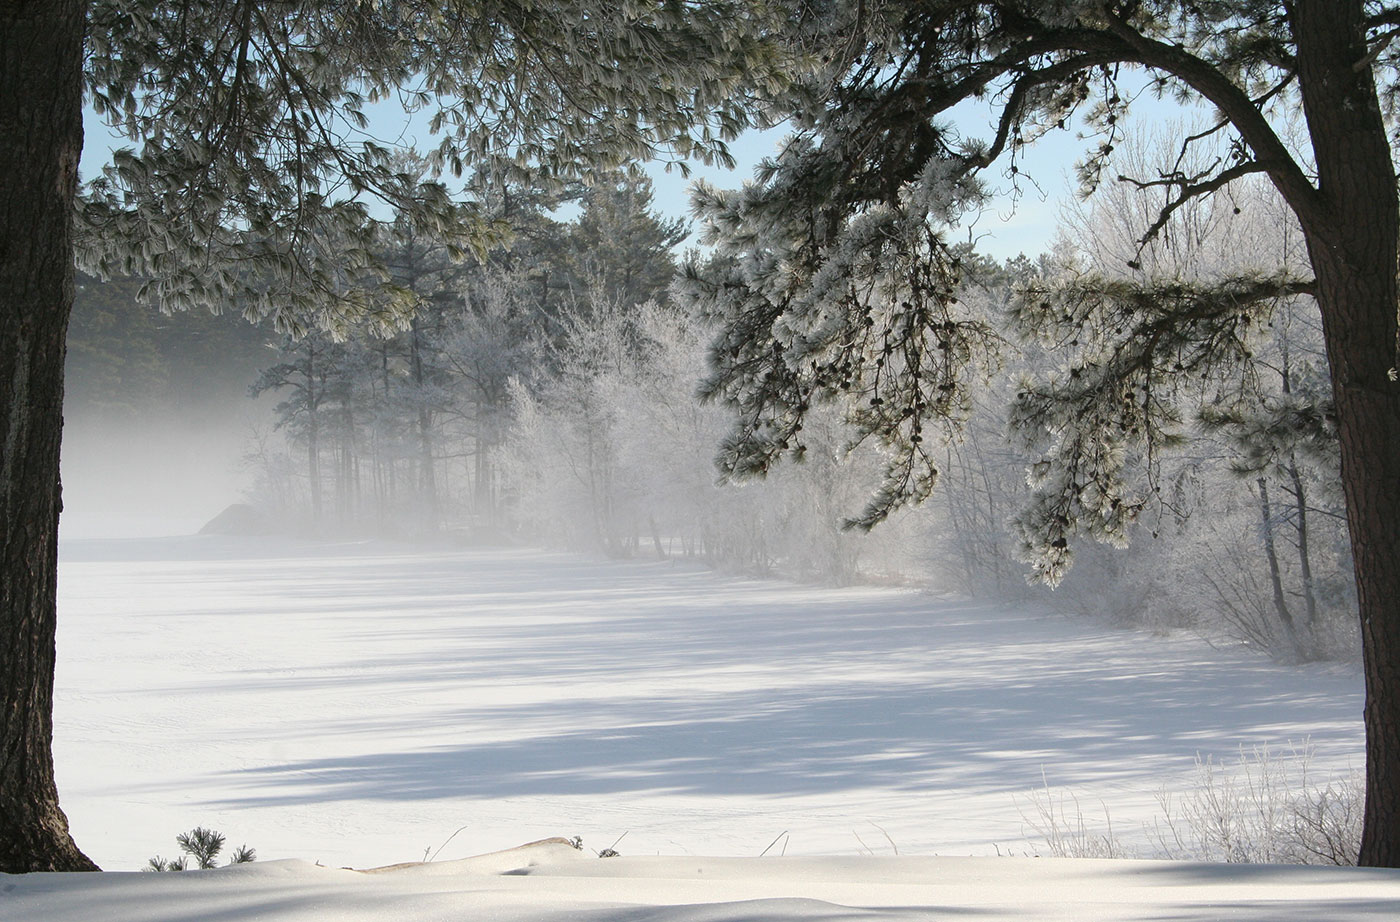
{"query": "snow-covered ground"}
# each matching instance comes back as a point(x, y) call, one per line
point(354, 704)
point(551, 882)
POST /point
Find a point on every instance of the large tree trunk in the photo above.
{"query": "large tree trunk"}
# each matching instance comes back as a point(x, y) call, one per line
point(1352, 233)
point(41, 136)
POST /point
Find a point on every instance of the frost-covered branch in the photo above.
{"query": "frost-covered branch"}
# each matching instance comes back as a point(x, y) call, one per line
point(1135, 351)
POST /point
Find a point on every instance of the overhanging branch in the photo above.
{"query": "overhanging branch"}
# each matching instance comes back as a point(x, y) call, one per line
point(1190, 191)
point(1271, 154)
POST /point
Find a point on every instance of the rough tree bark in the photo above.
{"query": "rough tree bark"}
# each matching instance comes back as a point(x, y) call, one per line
point(1353, 239)
point(41, 137)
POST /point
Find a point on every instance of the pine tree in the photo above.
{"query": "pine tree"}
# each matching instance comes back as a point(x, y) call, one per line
point(620, 249)
point(41, 54)
point(306, 372)
point(246, 185)
point(204, 846)
point(114, 362)
point(835, 281)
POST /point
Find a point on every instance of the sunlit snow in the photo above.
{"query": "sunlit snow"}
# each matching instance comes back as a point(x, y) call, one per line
point(348, 703)
point(355, 703)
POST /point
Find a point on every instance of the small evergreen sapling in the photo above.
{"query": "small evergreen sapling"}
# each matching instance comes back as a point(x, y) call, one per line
point(204, 846)
point(201, 844)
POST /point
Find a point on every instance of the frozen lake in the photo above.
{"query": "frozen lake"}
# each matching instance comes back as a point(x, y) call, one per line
point(354, 703)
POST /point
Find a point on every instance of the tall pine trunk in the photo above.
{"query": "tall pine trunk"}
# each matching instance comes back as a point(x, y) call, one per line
point(41, 137)
point(1353, 237)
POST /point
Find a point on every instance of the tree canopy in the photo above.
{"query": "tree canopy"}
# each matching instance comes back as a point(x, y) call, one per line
point(255, 177)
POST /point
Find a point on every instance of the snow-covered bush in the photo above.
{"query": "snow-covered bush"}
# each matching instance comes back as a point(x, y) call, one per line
point(1265, 807)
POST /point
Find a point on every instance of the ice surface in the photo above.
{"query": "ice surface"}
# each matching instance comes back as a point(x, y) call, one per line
point(354, 703)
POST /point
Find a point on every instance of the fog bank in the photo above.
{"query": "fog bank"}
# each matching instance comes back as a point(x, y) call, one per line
point(149, 474)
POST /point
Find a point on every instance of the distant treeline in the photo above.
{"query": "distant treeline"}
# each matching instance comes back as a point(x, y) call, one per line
point(546, 391)
point(127, 358)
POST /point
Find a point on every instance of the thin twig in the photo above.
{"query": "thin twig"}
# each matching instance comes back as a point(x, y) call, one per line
point(773, 843)
point(886, 835)
point(444, 844)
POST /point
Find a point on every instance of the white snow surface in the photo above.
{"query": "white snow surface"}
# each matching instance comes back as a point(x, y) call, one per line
point(344, 704)
point(549, 881)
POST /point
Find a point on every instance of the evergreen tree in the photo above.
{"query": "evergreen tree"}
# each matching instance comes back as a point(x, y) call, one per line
point(247, 187)
point(306, 372)
point(620, 249)
point(835, 282)
point(41, 60)
point(114, 362)
point(412, 402)
point(124, 357)
point(204, 846)
point(426, 269)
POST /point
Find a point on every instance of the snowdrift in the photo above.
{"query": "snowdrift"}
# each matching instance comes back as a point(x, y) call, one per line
point(553, 882)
